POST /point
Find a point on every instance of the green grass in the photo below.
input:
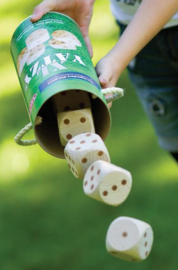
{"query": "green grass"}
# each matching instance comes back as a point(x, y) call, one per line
point(46, 221)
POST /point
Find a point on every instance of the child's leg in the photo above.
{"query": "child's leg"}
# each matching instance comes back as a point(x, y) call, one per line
point(154, 73)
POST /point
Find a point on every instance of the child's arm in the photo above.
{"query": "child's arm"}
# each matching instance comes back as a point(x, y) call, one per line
point(79, 10)
point(149, 19)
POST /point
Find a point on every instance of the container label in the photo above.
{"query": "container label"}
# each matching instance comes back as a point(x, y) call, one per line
point(51, 56)
point(66, 76)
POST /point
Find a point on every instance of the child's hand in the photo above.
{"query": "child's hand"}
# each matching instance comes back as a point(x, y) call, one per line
point(107, 71)
point(79, 10)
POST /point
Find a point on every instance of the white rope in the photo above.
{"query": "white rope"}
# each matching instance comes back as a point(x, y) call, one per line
point(115, 93)
point(25, 130)
point(110, 94)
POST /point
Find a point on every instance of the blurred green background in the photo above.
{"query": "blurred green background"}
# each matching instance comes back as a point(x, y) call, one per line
point(46, 221)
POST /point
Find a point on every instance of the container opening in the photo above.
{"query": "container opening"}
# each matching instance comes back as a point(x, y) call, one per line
point(47, 133)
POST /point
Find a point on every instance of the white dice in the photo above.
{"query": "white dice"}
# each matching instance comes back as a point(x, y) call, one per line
point(83, 150)
point(129, 239)
point(107, 183)
point(75, 122)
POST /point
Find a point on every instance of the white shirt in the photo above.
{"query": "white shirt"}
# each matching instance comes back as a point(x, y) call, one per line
point(124, 10)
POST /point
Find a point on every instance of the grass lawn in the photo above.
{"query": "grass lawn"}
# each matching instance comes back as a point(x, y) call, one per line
point(46, 221)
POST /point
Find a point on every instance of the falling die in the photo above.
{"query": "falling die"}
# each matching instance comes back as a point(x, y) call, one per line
point(83, 150)
point(107, 183)
point(129, 239)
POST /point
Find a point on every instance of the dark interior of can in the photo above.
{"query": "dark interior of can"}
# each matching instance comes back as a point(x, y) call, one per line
point(47, 133)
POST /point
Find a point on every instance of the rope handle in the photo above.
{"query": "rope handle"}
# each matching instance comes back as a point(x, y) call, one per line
point(24, 131)
point(110, 94)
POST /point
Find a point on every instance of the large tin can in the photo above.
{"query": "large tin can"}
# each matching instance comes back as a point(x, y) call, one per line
point(50, 57)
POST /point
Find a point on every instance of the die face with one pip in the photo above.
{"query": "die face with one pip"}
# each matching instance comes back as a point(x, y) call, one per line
point(107, 183)
point(129, 239)
point(83, 150)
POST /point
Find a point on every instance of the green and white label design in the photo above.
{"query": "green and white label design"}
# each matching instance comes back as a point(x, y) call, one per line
point(51, 56)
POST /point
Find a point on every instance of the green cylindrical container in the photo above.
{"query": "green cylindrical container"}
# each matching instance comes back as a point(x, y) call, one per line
point(50, 56)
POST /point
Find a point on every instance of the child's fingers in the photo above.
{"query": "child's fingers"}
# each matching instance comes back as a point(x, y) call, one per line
point(103, 73)
point(107, 78)
point(89, 46)
point(41, 9)
point(103, 81)
point(109, 105)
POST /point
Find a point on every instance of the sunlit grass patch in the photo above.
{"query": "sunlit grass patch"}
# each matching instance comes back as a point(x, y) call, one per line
point(8, 81)
point(18, 161)
point(13, 162)
point(8, 25)
point(103, 25)
point(161, 171)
